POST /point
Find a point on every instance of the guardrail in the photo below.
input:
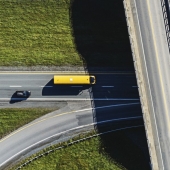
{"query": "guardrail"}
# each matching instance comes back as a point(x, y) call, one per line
point(68, 134)
point(166, 16)
point(71, 143)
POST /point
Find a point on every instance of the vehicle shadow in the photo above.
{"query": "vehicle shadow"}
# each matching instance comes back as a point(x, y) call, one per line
point(16, 99)
point(50, 89)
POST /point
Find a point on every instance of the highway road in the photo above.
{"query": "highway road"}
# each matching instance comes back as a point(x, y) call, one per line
point(108, 86)
point(119, 106)
point(156, 63)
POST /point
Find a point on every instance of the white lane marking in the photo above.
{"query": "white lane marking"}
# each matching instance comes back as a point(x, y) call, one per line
point(74, 111)
point(116, 105)
point(15, 86)
point(107, 86)
point(134, 86)
point(119, 119)
point(52, 136)
point(67, 99)
point(62, 73)
point(101, 107)
point(46, 86)
point(76, 86)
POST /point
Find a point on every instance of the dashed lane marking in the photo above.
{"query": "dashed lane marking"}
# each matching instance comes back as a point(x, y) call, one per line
point(15, 86)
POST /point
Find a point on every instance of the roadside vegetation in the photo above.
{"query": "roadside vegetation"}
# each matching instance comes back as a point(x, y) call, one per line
point(118, 153)
point(63, 32)
point(83, 155)
point(36, 33)
point(13, 118)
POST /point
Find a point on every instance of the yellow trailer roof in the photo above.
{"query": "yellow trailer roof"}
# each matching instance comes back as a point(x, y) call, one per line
point(72, 79)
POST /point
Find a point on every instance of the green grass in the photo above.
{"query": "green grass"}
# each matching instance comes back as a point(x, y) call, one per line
point(113, 151)
point(36, 33)
point(13, 118)
point(84, 155)
point(63, 32)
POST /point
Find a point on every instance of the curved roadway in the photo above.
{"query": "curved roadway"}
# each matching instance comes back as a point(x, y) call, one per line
point(114, 99)
point(62, 125)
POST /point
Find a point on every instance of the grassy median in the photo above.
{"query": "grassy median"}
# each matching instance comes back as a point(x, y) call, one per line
point(63, 32)
point(13, 118)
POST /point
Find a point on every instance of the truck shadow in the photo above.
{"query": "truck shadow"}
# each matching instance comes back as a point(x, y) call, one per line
point(50, 89)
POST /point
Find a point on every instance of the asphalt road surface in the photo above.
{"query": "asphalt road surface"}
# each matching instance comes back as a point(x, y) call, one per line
point(157, 65)
point(52, 128)
point(109, 86)
point(119, 103)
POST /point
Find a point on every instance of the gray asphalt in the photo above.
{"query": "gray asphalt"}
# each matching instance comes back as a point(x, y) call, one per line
point(27, 138)
point(108, 86)
point(74, 114)
point(157, 65)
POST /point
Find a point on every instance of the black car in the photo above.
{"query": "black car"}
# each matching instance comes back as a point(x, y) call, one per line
point(23, 93)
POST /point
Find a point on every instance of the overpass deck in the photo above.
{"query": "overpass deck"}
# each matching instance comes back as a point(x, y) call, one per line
point(152, 64)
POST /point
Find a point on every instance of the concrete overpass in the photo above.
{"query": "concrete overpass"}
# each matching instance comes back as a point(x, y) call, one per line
point(148, 38)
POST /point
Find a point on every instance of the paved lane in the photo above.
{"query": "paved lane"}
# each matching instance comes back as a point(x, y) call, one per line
point(42, 132)
point(111, 85)
point(113, 99)
point(156, 63)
